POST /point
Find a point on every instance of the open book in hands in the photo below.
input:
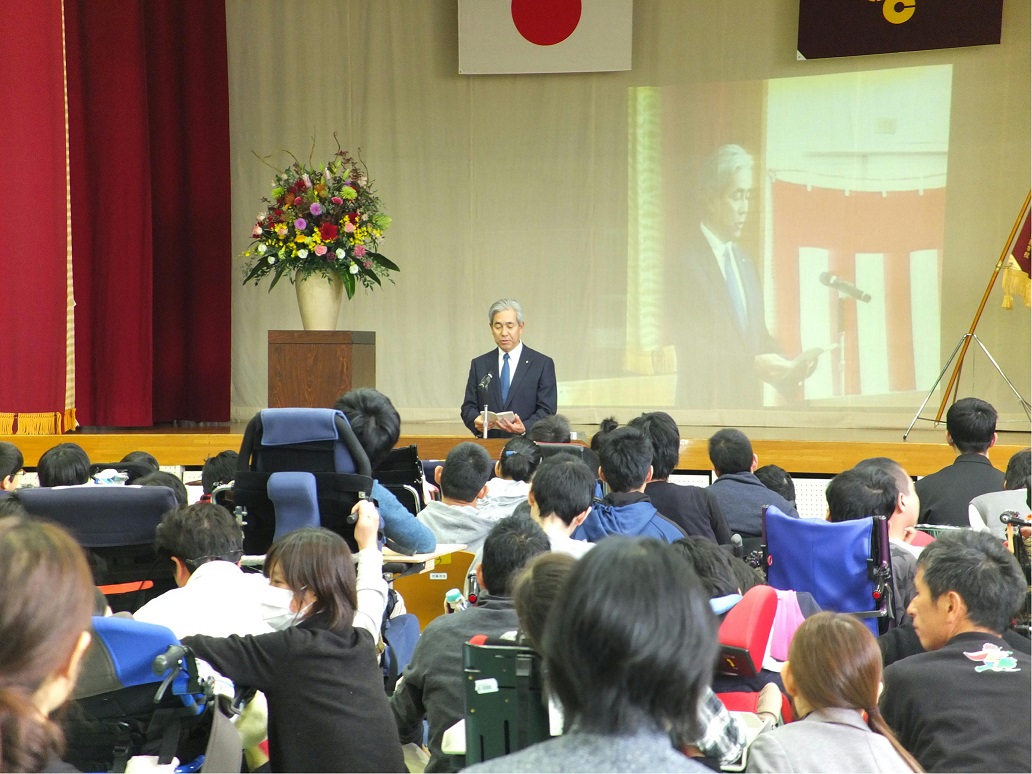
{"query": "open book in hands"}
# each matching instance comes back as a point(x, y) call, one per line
point(493, 417)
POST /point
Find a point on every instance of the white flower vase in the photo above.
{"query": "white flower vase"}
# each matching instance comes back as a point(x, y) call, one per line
point(318, 299)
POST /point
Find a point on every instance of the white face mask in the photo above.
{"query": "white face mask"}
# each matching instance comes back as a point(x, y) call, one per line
point(275, 606)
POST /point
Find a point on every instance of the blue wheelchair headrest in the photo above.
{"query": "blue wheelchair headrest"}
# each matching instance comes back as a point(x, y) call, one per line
point(281, 427)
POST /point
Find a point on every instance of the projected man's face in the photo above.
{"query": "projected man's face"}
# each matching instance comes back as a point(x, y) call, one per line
point(727, 212)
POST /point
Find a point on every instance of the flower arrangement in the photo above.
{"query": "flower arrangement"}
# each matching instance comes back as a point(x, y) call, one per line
point(322, 220)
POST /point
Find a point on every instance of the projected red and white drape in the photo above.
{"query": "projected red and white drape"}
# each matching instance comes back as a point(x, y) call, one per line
point(889, 245)
point(142, 214)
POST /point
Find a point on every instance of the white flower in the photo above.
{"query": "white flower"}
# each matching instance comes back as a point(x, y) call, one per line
point(341, 252)
point(262, 248)
point(302, 253)
point(272, 259)
point(353, 268)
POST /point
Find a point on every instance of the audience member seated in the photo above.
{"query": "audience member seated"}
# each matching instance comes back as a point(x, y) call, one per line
point(511, 482)
point(692, 508)
point(739, 494)
point(46, 598)
point(66, 464)
point(629, 649)
point(463, 480)
point(141, 458)
point(605, 427)
point(434, 684)
point(561, 495)
point(552, 429)
point(626, 465)
point(984, 510)
point(777, 480)
point(964, 704)
point(870, 491)
point(971, 430)
point(833, 675)
point(164, 478)
point(327, 706)
point(908, 505)
point(204, 543)
point(11, 462)
point(218, 471)
point(377, 426)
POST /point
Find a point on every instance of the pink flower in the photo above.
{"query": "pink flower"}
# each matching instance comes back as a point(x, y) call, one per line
point(300, 224)
point(320, 249)
point(308, 181)
point(349, 227)
point(359, 250)
point(315, 209)
point(257, 231)
point(367, 264)
point(337, 200)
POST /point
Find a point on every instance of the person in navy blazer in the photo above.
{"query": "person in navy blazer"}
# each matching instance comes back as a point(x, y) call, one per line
point(532, 392)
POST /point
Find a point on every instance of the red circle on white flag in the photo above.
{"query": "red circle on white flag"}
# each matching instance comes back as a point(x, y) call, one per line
point(546, 22)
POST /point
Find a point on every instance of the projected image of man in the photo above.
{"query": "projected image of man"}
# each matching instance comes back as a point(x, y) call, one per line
point(715, 302)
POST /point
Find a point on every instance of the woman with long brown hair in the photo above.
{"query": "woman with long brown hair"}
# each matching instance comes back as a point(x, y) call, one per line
point(833, 675)
point(46, 599)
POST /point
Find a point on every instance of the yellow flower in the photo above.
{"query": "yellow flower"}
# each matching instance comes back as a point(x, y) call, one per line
point(301, 238)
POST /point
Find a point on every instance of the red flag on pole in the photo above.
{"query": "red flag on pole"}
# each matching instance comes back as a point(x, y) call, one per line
point(1017, 271)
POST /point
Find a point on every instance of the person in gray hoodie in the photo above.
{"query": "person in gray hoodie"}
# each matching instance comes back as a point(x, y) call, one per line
point(463, 480)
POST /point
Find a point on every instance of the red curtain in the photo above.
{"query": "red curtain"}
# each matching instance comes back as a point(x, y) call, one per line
point(34, 247)
point(149, 126)
point(894, 224)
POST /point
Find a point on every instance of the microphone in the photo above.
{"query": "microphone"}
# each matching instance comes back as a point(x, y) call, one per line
point(485, 381)
point(736, 542)
point(843, 287)
point(1014, 519)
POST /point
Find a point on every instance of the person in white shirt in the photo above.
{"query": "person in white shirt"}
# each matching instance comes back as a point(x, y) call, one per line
point(561, 495)
point(511, 483)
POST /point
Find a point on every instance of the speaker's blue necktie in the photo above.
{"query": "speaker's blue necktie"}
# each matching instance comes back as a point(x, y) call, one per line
point(505, 378)
point(737, 303)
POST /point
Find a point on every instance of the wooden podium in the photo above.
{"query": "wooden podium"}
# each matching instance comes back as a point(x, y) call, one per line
point(311, 369)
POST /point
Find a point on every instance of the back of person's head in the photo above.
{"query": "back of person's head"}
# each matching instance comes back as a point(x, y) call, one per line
point(142, 458)
point(373, 418)
point(857, 493)
point(466, 469)
point(971, 423)
point(631, 641)
point(710, 563)
point(605, 427)
point(1017, 475)
point(164, 478)
point(978, 567)
point(661, 430)
point(11, 505)
point(219, 470)
point(536, 590)
point(563, 486)
point(777, 480)
point(11, 461)
point(46, 598)
point(199, 533)
point(511, 543)
point(519, 459)
point(730, 452)
point(835, 663)
point(625, 458)
point(890, 467)
point(553, 429)
point(66, 464)
point(316, 559)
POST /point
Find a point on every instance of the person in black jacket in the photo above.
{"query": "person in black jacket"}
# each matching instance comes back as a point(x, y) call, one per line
point(327, 707)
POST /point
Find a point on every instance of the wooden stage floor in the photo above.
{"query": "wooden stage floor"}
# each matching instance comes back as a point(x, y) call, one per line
point(799, 451)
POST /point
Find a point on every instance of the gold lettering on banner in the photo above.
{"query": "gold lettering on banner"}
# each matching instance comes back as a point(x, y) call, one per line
point(897, 11)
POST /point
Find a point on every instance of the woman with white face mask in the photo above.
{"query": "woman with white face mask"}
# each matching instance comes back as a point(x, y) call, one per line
point(327, 707)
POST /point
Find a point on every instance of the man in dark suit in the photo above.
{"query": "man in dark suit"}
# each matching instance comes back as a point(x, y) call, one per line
point(512, 377)
point(715, 304)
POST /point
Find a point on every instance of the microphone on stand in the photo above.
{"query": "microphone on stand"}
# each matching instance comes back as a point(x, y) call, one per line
point(844, 287)
point(1014, 519)
point(485, 381)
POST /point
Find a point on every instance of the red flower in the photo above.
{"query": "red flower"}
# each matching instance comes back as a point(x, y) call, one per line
point(328, 231)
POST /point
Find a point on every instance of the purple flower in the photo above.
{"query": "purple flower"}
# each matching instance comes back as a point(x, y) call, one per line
point(300, 224)
point(315, 209)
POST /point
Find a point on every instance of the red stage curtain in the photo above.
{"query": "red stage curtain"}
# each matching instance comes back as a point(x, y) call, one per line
point(149, 117)
point(34, 247)
point(894, 224)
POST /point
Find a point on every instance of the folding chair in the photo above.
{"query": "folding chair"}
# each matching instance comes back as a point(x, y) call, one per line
point(116, 525)
point(845, 566)
point(299, 467)
point(506, 708)
point(138, 693)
